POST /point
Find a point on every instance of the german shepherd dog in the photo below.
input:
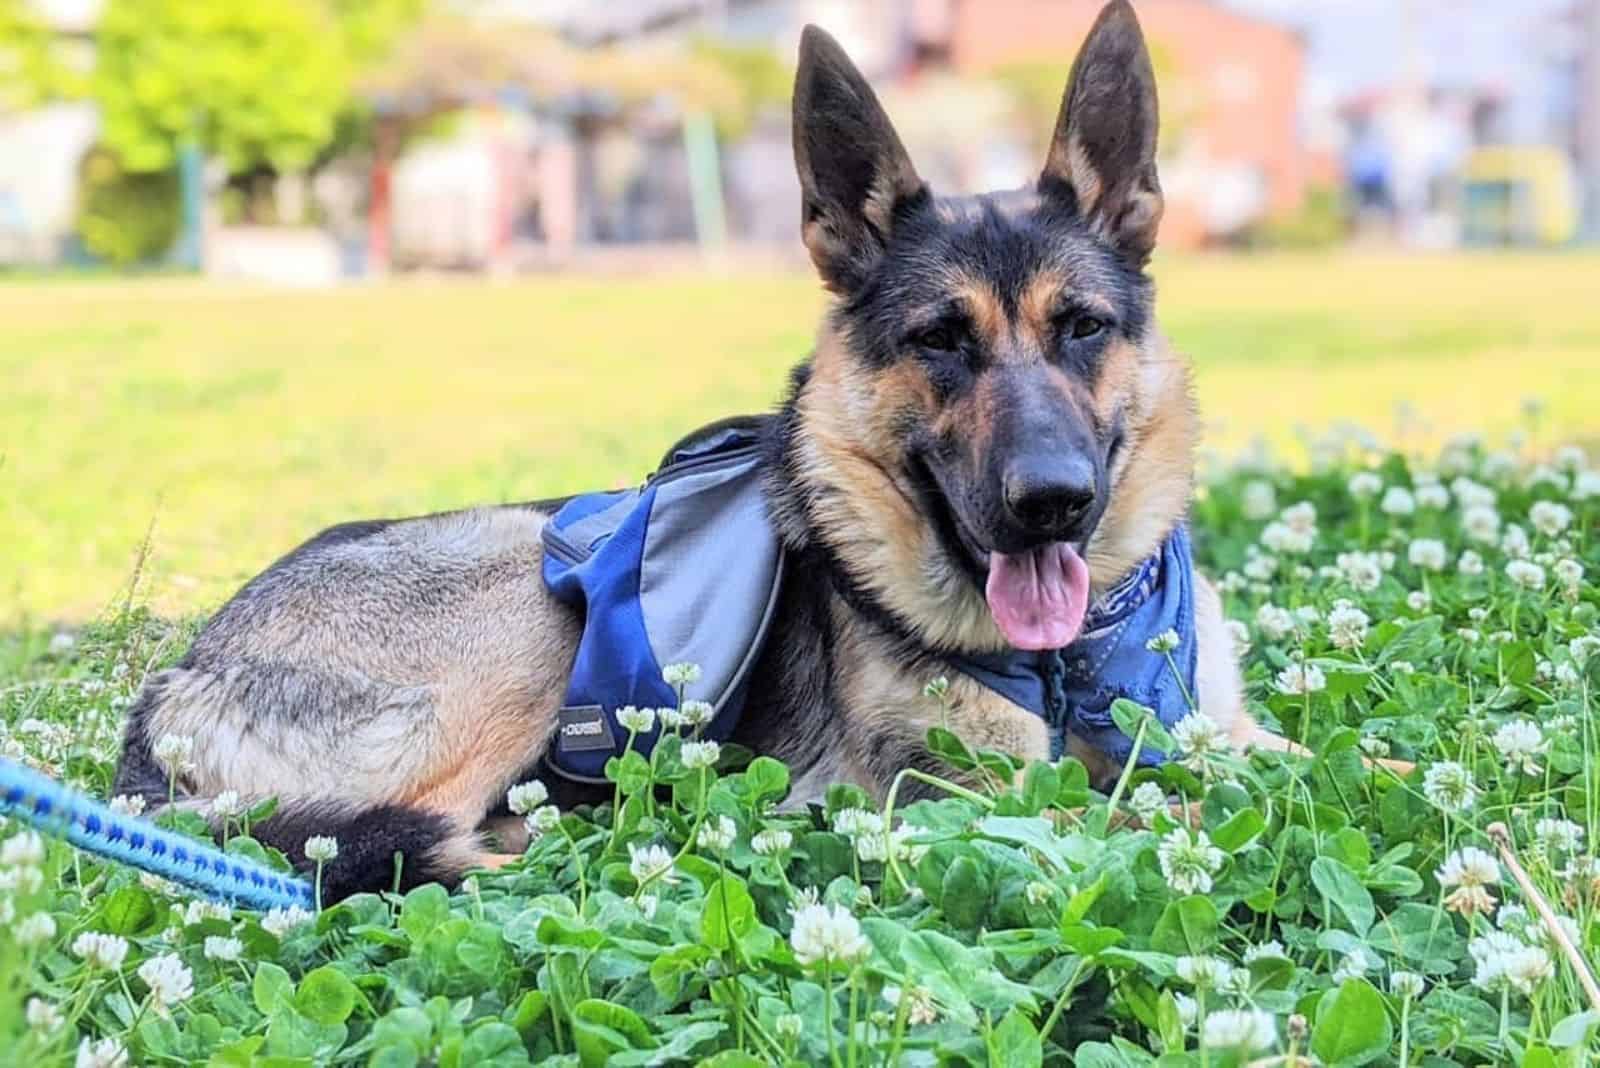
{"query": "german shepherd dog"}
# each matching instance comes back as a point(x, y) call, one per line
point(989, 431)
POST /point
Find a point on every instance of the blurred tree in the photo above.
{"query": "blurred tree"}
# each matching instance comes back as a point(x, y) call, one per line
point(32, 70)
point(762, 79)
point(251, 83)
point(125, 218)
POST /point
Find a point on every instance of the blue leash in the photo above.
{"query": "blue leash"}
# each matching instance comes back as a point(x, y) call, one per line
point(93, 827)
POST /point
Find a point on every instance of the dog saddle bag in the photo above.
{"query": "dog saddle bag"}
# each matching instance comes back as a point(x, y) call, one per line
point(683, 569)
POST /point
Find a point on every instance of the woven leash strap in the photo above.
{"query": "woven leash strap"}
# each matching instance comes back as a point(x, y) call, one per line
point(65, 813)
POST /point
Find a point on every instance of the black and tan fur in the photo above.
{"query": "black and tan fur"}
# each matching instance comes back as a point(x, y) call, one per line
point(989, 375)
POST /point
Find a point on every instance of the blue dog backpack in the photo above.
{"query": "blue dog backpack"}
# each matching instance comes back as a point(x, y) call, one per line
point(683, 569)
point(687, 568)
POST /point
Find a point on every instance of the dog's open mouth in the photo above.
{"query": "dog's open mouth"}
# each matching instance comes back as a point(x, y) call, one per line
point(1037, 595)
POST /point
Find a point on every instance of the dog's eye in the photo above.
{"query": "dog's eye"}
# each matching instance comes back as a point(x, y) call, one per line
point(937, 339)
point(1086, 326)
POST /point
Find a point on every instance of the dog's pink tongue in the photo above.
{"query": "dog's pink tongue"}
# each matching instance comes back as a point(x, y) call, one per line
point(1038, 598)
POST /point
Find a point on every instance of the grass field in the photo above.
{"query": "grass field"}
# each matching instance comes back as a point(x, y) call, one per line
point(234, 422)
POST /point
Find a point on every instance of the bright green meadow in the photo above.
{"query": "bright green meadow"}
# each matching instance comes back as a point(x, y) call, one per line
point(1421, 610)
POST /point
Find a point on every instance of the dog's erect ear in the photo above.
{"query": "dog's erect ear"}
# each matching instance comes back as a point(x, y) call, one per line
point(854, 173)
point(1103, 153)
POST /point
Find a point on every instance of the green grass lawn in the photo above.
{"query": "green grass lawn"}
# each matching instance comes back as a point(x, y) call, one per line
point(234, 422)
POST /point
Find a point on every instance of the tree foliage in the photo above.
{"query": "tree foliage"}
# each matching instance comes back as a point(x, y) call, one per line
point(32, 69)
point(252, 83)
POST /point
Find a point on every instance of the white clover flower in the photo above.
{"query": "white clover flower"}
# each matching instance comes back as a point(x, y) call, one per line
point(1238, 637)
point(1558, 835)
point(1373, 745)
point(1278, 538)
point(1567, 676)
point(1520, 744)
point(771, 842)
point(1506, 963)
point(321, 848)
point(1433, 497)
point(1274, 623)
point(25, 849)
point(524, 797)
point(671, 718)
point(1472, 494)
point(43, 1017)
point(1232, 582)
point(1362, 570)
point(169, 980)
point(1525, 573)
point(1470, 563)
point(1406, 985)
point(696, 713)
point(1301, 678)
point(103, 952)
point(228, 806)
point(1467, 874)
point(199, 911)
point(681, 674)
point(1549, 518)
point(650, 863)
point(1419, 601)
point(1188, 1010)
point(1301, 517)
point(1481, 523)
point(1272, 949)
point(1164, 642)
point(1206, 972)
point(1583, 647)
point(1448, 786)
point(1353, 965)
point(1039, 893)
point(1261, 566)
point(854, 822)
point(1514, 543)
point(1188, 863)
point(128, 805)
point(824, 934)
point(34, 930)
point(1347, 626)
point(920, 1007)
point(175, 753)
point(1585, 485)
point(716, 836)
point(637, 720)
point(1398, 501)
point(1570, 573)
point(1201, 739)
point(697, 755)
point(789, 1026)
point(1571, 458)
point(280, 921)
point(541, 821)
point(1147, 801)
point(1427, 553)
point(22, 880)
point(106, 1053)
point(223, 949)
point(1365, 484)
point(1245, 1029)
point(1258, 500)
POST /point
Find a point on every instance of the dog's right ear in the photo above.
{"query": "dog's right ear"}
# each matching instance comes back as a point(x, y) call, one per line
point(855, 175)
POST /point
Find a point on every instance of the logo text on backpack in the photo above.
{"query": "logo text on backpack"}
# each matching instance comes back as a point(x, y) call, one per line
point(583, 727)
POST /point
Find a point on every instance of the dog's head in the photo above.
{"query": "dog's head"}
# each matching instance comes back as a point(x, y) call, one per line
point(989, 368)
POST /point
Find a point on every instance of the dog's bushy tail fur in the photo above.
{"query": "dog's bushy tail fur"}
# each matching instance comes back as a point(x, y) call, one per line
point(381, 847)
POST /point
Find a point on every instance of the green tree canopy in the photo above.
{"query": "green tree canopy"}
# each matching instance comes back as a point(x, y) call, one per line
point(256, 83)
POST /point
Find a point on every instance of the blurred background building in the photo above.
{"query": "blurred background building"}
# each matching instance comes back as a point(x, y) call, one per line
point(312, 140)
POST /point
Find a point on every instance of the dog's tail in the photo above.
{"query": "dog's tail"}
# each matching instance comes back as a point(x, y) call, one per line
point(380, 847)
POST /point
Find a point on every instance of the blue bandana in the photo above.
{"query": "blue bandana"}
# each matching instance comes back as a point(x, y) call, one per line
point(1072, 689)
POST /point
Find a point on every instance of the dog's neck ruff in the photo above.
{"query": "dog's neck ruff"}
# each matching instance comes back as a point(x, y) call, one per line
point(1072, 689)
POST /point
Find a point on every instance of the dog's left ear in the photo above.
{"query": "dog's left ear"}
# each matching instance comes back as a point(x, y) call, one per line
point(854, 173)
point(1103, 153)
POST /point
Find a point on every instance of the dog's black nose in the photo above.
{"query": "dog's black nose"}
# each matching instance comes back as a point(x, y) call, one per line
point(1050, 497)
